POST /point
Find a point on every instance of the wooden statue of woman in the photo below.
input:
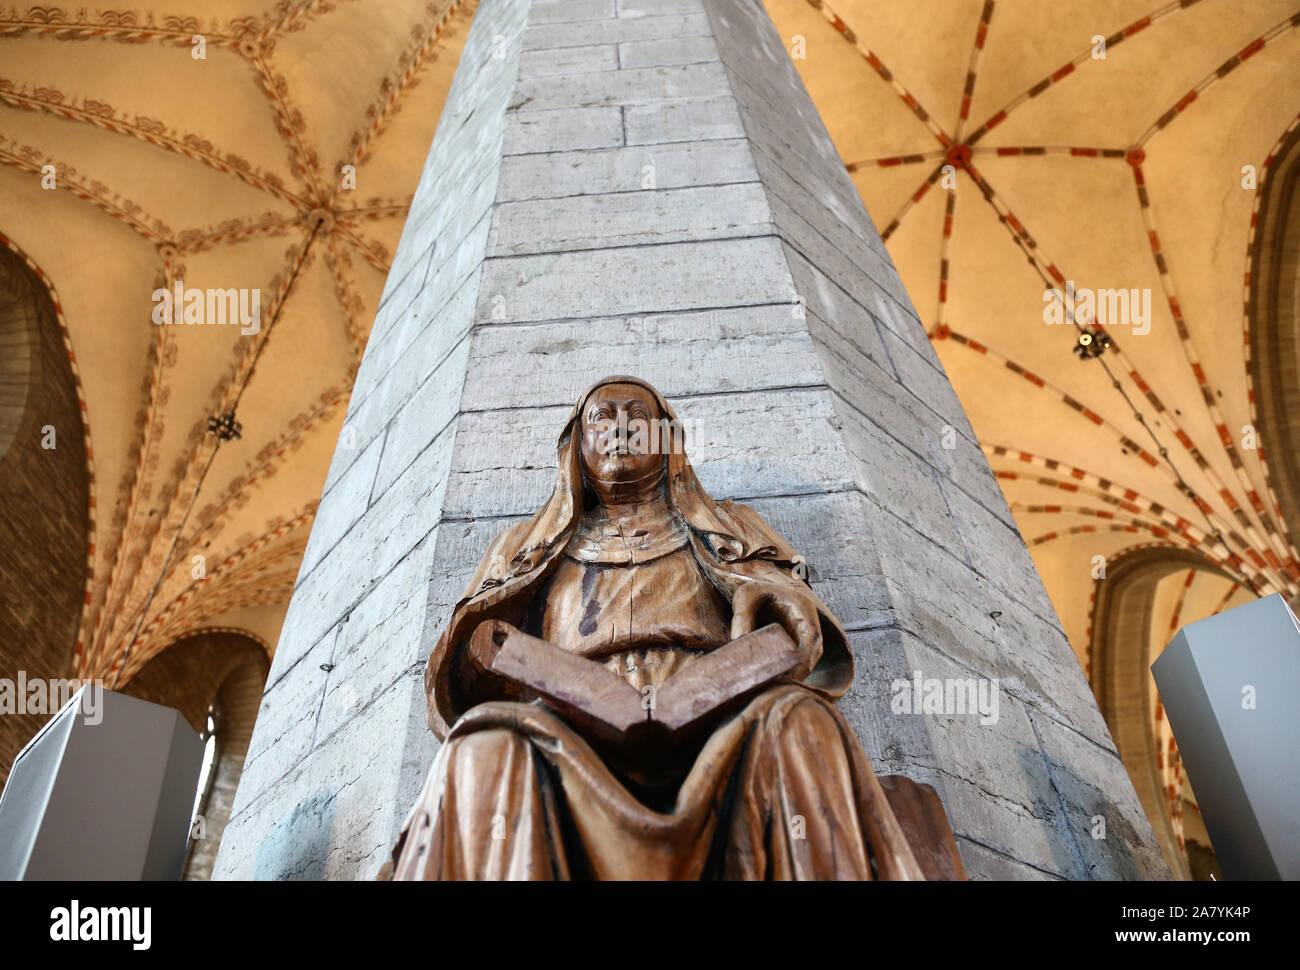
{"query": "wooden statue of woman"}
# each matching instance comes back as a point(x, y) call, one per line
point(639, 684)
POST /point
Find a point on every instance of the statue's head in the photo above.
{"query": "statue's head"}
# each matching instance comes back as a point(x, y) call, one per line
point(621, 440)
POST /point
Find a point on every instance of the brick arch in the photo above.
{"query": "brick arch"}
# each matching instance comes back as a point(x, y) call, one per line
point(1120, 669)
point(46, 531)
point(1273, 320)
point(222, 667)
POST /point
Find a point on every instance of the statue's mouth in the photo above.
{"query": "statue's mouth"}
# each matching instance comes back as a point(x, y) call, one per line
point(624, 479)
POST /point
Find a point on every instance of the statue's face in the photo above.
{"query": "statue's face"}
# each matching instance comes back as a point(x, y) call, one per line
point(619, 440)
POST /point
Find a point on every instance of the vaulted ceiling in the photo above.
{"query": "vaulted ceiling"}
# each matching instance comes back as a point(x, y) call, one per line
point(999, 153)
point(241, 144)
point(1010, 148)
point(1123, 172)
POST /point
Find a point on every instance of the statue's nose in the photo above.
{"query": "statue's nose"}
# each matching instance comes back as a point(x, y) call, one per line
point(620, 429)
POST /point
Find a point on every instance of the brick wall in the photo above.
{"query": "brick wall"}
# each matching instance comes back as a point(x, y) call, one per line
point(44, 496)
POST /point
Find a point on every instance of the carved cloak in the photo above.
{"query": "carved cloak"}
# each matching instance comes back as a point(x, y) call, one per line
point(730, 541)
point(781, 790)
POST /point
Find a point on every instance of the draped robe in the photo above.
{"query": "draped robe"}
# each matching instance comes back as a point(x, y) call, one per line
point(779, 790)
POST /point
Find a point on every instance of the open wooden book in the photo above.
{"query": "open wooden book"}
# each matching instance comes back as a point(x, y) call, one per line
point(600, 702)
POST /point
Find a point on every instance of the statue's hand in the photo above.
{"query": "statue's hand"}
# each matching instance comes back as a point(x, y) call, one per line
point(758, 603)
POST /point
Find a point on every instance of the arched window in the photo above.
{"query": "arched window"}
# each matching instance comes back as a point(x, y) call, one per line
point(215, 678)
point(210, 736)
point(1131, 624)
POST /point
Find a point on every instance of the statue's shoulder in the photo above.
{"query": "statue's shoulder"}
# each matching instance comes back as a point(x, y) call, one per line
point(509, 556)
point(511, 537)
point(755, 527)
point(745, 512)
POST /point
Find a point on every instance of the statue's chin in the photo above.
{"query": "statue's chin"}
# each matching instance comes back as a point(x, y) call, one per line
point(616, 470)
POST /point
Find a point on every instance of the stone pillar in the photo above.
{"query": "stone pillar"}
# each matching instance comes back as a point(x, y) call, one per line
point(644, 186)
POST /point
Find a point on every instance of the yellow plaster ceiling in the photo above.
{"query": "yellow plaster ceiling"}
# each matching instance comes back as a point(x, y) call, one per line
point(1058, 143)
point(219, 171)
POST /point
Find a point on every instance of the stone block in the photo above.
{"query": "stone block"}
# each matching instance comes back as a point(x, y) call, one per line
point(551, 175)
point(549, 37)
point(896, 479)
point(652, 279)
point(418, 423)
point(832, 531)
point(565, 61)
point(286, 722)
point(629, 219)
point(390, 528)
point(667, 50)
point(650, 8)
point(995, 777)
point(334, 816)
point(670, 121)
point(409, 358)
point(1105, 821)
point(700, 352)
point(569, 11)
point(982, 864)
point(563, 129)
point(641, 86)
point(379, 641)
point(348, 498)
